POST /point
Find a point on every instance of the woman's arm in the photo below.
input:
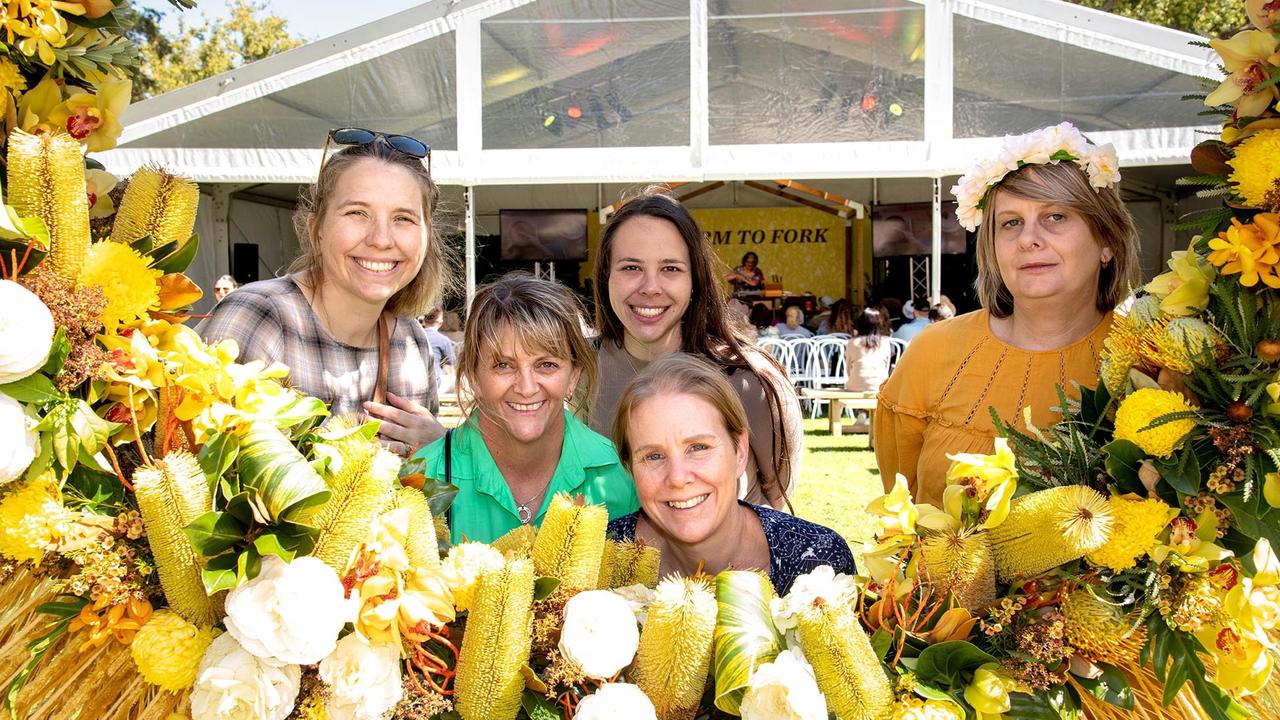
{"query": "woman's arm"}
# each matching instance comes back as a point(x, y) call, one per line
point(898, 439)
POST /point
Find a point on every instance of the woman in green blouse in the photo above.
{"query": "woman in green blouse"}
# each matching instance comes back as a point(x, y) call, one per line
point(526, 363)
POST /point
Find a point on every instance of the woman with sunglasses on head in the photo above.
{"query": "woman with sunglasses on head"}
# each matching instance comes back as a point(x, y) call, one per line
point(682, 432)
point(523, 358)
point(656, 293)
point(342, 320)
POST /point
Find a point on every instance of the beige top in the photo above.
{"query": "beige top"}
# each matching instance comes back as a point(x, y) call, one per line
point(759, 485)
point(937, 400)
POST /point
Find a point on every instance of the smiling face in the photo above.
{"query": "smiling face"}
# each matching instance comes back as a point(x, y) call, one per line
point(685, 465)
point(1046, 251)
point(650, 285)
point(520, 392)
point(373, 235)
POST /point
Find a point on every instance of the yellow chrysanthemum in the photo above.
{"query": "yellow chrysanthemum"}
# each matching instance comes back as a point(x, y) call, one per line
point(1256, 172)
point(1138, 411)
point(167, 650)
point(11, 77)
point(914, 708)
point(1138, 522)
point(464, 566)
point(30, 517)
point(130, 286)
point(1251, 250)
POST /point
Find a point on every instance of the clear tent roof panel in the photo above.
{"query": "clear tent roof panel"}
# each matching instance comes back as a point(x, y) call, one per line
point(510, 91)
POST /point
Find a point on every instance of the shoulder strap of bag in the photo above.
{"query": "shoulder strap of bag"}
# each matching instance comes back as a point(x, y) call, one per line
point(384, 359)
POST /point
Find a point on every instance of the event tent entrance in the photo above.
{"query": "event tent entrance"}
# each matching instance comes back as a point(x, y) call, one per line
point(517, 93)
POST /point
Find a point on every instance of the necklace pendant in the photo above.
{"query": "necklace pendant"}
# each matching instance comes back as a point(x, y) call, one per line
point(525, 514)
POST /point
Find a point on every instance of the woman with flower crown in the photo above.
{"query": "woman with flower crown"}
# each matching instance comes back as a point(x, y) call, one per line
point(1057, 250)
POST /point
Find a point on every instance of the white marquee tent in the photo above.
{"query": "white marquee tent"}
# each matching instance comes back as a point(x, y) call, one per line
point(585, 94)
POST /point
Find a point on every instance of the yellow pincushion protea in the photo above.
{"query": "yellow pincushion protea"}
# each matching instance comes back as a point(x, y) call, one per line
point(167, 650)
point(31, 514)
point(1140, 409)
point(1137, 523)
point(914, 708)
point(1256, 172)
point(127, 282)
point(1100, 631)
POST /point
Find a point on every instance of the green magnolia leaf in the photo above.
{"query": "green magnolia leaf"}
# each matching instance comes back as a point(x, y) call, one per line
point(44, 459)
point(544, 586)
point(214, 533)
point(219, 573)
point(35, 389)
point(283, 481)
point(57, 353)
point(1032, 707)
point(1181, 471)
point(929, 692)
point(304, 408)
point(218, 455)
point(745, 636)
point(1111, 687)
point(248, 565)
point(538, 707)
point(269, 544)
point(948, 664)
point(298, 538)
point(175, 259)
point(143, 245)
point(93, 488)
point(1124, 458)
point(239, 508)
point(881, 643)
point(91, 431)
point(440, 496)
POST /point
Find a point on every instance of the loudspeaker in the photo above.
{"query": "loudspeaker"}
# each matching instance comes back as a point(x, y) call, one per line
point(244, 262)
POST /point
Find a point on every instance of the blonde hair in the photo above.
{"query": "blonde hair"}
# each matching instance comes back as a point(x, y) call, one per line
point(434, 276)
point(543, 315)
point(1065, 184)
point(678, 374)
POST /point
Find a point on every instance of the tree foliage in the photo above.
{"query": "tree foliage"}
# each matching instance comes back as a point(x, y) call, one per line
point(1210, 19)
point(249, 32)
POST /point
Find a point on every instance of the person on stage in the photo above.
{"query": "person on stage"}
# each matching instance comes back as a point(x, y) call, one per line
point(747, 277)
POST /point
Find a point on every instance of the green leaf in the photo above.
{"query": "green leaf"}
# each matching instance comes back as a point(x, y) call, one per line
point(365, 431)
point(91, 431)
point(214, 533)
point(36, 649)
point(57, 353)
point(1111, 687)
point(219, 573)
point(94, 487)
point(1032, 707)
point(947, 664)
point(35, 389)
point(281, 477)
point(538, 707)
point(745, 636)
point(239, 508)
point(440, 496)
point(248, 565)
point(304, 408)
point(176, 260)
point(881, 641)
point(544, 586)
point(1123, 461)
point(269, 544)
point(298, 538)
point(1181, 471)
point(143, 245)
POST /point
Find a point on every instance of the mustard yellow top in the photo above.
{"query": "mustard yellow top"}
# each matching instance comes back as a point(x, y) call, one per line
point(937, 400)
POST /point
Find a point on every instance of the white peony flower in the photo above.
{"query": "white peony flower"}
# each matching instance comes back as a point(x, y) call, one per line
point(26, 332)
point(599, 633)
point(291, 612)
point(363, 679)
point(821, 582)
point(616, 701)
point(232, 684)
point(19, 443)
point(785, 689)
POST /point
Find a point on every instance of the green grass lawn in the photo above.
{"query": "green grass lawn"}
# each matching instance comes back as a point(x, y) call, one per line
point(838, 477)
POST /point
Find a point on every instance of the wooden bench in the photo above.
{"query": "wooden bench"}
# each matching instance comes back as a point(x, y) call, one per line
point(838, 400)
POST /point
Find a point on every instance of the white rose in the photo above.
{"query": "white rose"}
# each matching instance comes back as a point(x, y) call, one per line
point(784, 689)
point(616, 701)
point(232, 684)
point(26, 332)
point(599, 633)
point(291, 612)
point(19, 443)
point(363, 679)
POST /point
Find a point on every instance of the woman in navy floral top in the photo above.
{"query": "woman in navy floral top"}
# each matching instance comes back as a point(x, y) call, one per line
point(682, 432)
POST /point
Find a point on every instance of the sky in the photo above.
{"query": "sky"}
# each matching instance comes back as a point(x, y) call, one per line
point(312, 19)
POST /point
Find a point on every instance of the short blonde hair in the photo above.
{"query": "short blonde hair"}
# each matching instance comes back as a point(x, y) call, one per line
point(433, 278)
point(1065, 184)
point(544, 317)
point(678, 374)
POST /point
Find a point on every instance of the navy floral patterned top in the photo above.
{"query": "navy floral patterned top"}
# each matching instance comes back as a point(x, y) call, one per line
point(795, 546)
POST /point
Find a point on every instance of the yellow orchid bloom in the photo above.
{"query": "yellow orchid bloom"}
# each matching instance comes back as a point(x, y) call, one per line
point(1264, 14)
point(95, 119)
point(37, 105)
point(1265, 563)
point(896, 511)
point(1185, 548)
point(988, 692)
point(1246, 56)
point(99, 184)
point(981, 487)
point(1184, 290)
point(990, 469)
point(1243, 664)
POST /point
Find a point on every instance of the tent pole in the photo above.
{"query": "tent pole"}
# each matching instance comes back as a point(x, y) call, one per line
point(935, 271)
point(469, 195)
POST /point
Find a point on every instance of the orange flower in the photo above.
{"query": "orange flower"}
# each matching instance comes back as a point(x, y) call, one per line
point(1252, 250)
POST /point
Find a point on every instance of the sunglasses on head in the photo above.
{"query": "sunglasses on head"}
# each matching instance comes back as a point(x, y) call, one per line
point(359, 136)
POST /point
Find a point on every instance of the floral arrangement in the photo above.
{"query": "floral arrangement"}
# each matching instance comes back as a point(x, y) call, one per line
point(1051, 145)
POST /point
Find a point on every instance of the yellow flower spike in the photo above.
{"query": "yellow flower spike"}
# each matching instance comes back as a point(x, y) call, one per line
point(1184, 290)
point(488, 684)
point(676, 647)
point(1050, 528)
point(159, 204)
point(962, 565)
point(846, 667)
point(420, 543)
point(46, 180)
point(170, 496)
point(360, 489)
point(570, 543)
point(518, 542)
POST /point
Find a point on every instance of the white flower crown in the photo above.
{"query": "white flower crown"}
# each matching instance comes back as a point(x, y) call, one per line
point(1050, 145)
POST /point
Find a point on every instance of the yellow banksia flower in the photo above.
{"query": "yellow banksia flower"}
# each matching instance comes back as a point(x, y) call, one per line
point(1100, 631)
point(518, 542)
point(1137, 523)
point(361, 488)
point(496, 645)
point(570, 543)
point(1114, 368)
point(629, 563)
point(1183, 341)
point(159, 204)
point(167, 650)
point(676, 645)
point(962, 565)
point(30, 514)
point(46, 180)
point(914, 708)
point(845, 665)
point(420, 545)
point(1142, 407)
point(463, 567)
point(171, 495)
point(1050, 528)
